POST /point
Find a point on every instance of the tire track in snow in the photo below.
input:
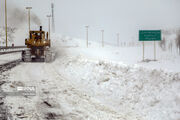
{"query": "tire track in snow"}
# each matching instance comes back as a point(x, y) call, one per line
point(57, 98)
point(4, 111)
point(99, 110)
point(84, 107)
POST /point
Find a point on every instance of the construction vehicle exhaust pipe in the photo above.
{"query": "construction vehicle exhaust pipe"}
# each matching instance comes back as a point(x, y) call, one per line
point(40, 28)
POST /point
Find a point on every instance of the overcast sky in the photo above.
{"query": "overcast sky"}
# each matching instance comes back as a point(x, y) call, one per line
point(123, 16)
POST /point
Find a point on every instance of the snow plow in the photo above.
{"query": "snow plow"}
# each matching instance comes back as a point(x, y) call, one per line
point(39, 47)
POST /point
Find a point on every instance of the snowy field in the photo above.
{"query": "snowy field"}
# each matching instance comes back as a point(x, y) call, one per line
point(119, 78)
point(97, 83)
point(166, 60)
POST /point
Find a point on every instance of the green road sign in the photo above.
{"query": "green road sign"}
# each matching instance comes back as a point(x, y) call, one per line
point(149, 35)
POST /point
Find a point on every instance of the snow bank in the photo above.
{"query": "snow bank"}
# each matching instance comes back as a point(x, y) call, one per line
point(150, 93)
point(166, 60)
point(107, 83)
point(118, 78)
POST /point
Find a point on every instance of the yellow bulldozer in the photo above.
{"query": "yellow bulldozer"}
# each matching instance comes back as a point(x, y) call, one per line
point(39, 47)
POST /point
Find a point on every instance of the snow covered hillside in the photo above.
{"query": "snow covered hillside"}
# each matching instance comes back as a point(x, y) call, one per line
point(131, 55)
point(118, 78)
point(110, 83)
point(150, 93)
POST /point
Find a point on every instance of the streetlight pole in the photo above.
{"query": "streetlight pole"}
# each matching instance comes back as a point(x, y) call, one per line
point(118, 39)
point(49, 16)
point(102, 38)
point(6, 22)
point(87, 35)
point(29, 16)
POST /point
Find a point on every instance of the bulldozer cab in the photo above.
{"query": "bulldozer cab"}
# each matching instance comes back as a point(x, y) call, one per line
point(37, 39)
point(37, 35)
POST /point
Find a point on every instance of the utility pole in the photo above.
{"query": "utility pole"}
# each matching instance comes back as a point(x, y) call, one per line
point(29, 17)
point(87, 35)
point(49, 19)
point(53, 22)
point(102, 38)
point(6, 22)
point(118, 39)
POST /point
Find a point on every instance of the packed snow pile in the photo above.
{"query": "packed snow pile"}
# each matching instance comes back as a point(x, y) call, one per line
point(118, 78)
point(150, 93)
point(56, 97)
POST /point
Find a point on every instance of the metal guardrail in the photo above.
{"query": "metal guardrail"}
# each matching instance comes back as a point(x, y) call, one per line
point(11, 49)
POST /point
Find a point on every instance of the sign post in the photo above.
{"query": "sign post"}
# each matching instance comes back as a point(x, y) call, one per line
point(143, 50)
point(154, 50)
point(150, 35)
